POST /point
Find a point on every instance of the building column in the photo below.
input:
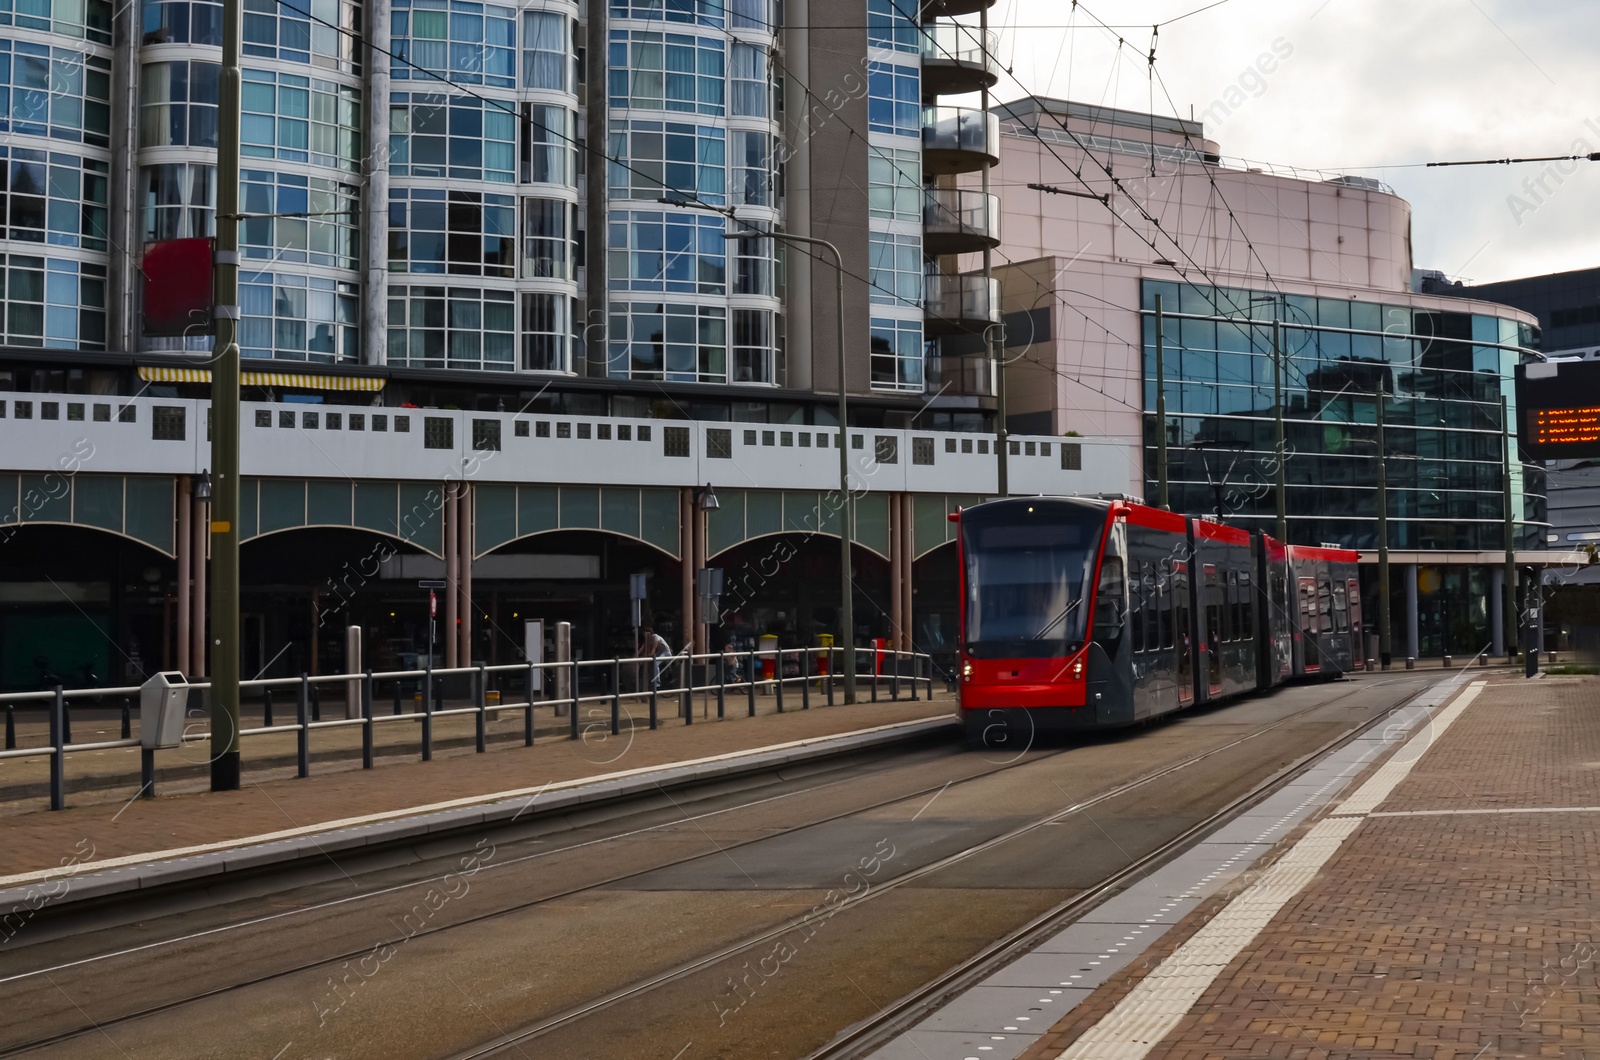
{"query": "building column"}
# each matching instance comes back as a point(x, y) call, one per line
point(199, 552)
point(452, 572)
point(897, 573)
point(908, 548)
point(1413, 636)
point(1497, 610)
point(464, 550)
point(687, 549)
point(702, 616)
point(185, 520)
point(375, 290)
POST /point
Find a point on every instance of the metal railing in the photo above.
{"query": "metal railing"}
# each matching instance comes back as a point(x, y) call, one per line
point(419, 697)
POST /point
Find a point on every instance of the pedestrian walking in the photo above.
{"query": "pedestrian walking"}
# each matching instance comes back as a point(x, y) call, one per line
point(654, 647)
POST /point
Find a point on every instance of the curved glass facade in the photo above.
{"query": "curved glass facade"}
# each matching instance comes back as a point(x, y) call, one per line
point(1444, 435)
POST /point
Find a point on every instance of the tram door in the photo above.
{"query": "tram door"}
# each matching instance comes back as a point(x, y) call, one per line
point(1184, 629)
point(1310, 628)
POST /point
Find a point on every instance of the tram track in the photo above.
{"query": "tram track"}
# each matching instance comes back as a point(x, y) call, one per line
point(992, 956)
point(511, 1041)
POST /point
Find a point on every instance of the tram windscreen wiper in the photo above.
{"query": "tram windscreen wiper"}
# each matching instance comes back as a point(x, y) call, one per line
point(1054, 622)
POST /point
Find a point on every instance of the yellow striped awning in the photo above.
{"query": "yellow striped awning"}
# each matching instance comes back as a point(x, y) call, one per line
point(295, 380)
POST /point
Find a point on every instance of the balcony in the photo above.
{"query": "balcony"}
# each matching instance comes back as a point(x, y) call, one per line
point(958, 140)
point(959, 303)
point(961, 376)
point(959, 221)
point(957, 59)
point(932, 9)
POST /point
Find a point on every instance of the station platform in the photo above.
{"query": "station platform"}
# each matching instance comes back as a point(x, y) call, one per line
point(96, 847)
point(1428, 890)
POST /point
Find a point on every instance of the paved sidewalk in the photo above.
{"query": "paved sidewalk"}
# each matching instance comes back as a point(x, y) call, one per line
point(87, 834)
point(1452, 915)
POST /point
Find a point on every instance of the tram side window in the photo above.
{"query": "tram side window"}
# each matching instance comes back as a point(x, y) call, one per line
point(1167, 593)
point(1341, 609)
point(1247, 607)
point(1155, 595)
point(1109, 603)
point(1212, 612)
point(1235, 619)
point(1308, 607)
point(1139, 611)
point(1325, 606)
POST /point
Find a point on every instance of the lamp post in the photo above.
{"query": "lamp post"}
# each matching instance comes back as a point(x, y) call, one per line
point(847, 528)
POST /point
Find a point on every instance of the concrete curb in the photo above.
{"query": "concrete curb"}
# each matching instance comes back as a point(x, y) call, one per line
point(27, 893)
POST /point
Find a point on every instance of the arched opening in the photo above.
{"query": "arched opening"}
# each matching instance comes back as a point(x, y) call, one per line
point(81, 607)
point(787, 585)
point(936, 605)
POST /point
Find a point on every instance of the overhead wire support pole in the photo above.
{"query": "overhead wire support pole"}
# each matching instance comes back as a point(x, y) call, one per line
point(1280, 478)
point(224, 618)
point(1509, 592)
point(994, 335)
point(1385, 630)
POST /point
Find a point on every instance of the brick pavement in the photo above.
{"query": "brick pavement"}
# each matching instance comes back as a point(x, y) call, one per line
point(1443, 933)
point(42, 839)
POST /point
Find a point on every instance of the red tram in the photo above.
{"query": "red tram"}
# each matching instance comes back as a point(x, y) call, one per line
point(1081, 614)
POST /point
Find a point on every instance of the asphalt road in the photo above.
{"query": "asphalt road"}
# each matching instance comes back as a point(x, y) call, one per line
point(438, 951)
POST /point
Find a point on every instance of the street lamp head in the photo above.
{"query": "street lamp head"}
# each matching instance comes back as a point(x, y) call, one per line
point(706, 498)
point(202, 487)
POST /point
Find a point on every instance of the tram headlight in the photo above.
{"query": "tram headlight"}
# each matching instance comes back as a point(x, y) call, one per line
point(966, 670)
point(1077, 670)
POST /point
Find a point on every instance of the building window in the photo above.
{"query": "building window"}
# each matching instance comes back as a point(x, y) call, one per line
point(299, 119)
point(546, 243)
point(751, 14)
point(894, 104)
point(452, 136)
point(486, 435)
point(178, 104)
point(546, 332)
point(57, 304)
point(177, 201)
point(54, 197)
point(549, 149)
point(329, 234)
point(546, 51)
point(436, 327)
point(675, 441)
point(754, 265)
point(298, 318)
point(753, 350)
point(922, 451)
point(667, 71)
point(896, 354)
point(889, 26)
point(886, 448)
point(177, 22)
point(701, 12)
point(751, 158)
point(896, 269)
point(466, 42)
point(438, 432)
point(274, 30)
point(55, 92)
point(894, 184)
point(749, 81)
point(719, 443)
point(463, 233)
point(679, 252)
point(670, 342)
point(668, 160)
point(91, 21)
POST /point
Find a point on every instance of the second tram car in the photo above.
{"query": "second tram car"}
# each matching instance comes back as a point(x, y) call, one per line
point(1082, 613)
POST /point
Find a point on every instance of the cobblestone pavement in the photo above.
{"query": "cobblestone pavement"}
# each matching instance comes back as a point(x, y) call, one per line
point(41, 839)
point(1459, 920)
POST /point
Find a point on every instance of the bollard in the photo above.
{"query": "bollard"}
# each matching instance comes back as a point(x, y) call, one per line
point(527, 711)
point(266, 707)
point(480, 697)
point(805, 678)
point(428, 691)
point(147, 772)
point(302, 708)
point(1411, 662)
point(1448, 662)
point(1371, 663)
point(366, 719)
point(616, 696)
point(58, 750)
point(686, 706)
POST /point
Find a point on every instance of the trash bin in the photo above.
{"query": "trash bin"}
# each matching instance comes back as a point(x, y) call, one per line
point(162, 702)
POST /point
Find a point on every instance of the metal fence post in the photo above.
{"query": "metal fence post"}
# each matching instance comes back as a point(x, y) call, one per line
point(366, 719)
point(127, 720)
point(754, 662)
point(397, 695)
point(722, 686)
point(480, 697)
point(302, 710)
point(527, 711)
point(833, 668)
point(572, 707)
point(58, 750)
point(66, 717)
point(687, 695)
point(805, 678)
point(11, 728)
point(616, 696)
point(427, 713)
point(316, 703)
point(777, 672)
point(875, 668)
point(266, 707)
point(894, 678)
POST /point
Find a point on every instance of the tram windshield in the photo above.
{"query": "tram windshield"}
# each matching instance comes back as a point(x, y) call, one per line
point(1027, 566)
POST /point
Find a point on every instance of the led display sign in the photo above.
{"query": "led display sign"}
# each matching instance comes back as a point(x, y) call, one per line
point(1560, 410)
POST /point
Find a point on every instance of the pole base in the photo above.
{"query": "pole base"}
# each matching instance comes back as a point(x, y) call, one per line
point(225, 772)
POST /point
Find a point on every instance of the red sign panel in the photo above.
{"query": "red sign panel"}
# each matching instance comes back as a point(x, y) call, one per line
point(177, 287)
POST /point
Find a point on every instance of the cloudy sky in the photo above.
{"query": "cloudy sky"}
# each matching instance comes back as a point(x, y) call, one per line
point(1369, 87)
